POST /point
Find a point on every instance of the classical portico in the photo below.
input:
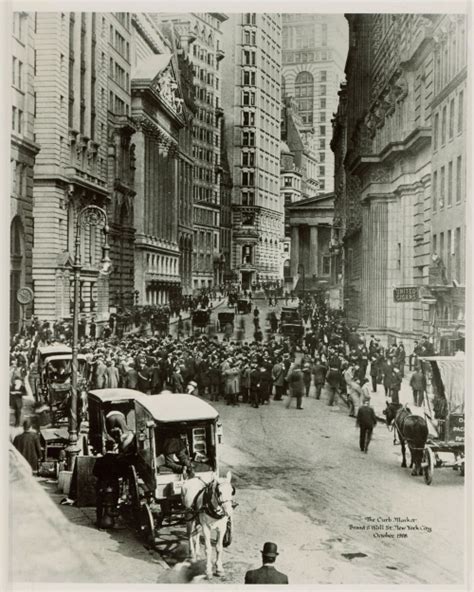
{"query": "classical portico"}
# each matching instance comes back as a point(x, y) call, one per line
point(310, 223)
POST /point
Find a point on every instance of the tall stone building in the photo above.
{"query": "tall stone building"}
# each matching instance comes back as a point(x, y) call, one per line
point(158, 115)
point(403, 152)
point(22, 158)
point(71, 169)
point(121, 160)
point(251, 101)
point(314, 49)
point(202, 39)
point(179, 41)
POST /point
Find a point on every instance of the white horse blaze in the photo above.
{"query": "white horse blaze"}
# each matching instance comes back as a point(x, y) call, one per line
point(190, 489)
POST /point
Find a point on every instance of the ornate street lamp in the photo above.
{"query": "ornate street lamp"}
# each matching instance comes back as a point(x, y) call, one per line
point(89, 216)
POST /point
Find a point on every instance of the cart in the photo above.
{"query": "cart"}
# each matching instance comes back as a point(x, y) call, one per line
point(444, 411)
point(225, 318)
point(244, 306)
point(100, 403)
point(154, 489)
point(200, 319)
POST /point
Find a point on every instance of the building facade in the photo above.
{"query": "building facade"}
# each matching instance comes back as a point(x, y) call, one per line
point(121, 158)
point(22, 159)
point(310, 222)
point(404, 97)
point(158, 115)
point(71, 169)
point(205, 53)
point(251, 101)
point(314, 48)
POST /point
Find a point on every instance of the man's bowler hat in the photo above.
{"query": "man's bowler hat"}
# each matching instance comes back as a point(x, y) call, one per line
point(270, 550)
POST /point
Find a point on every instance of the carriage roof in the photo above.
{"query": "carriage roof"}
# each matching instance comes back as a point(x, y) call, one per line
point(176, 407)
point(451, 370)
point(52, 350)
point(60, 357)
point(116, 395)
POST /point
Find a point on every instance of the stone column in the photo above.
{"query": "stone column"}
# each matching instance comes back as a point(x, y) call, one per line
point(313, 266)
point(295, 250)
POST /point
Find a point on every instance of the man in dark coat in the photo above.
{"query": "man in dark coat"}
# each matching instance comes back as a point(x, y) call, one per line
point(366, 421)
point(418, 386)
point(28, 445)
point(319, 373)
point(267, 574)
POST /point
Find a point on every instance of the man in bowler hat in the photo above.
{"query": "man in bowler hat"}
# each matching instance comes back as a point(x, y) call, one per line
point(267, 574)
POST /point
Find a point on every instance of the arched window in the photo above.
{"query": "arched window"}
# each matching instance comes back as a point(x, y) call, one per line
point(304, 91)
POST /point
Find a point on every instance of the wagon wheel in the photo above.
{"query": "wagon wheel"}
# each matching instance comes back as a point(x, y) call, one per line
point(428, 465)
point(147, 526)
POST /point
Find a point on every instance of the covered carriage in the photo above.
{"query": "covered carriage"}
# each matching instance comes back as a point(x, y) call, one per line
point(444, 412)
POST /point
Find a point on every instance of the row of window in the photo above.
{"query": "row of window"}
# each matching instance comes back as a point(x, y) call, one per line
point(18, 26)
point(450, 56)
point(205, 240)
point(298, 57)
point(162, 264)
point(118, 75)
point(443, 184)
point(455, 124)
point(304, 36)
point(249, 37)
point(448, 246)
point(123, 18)
point(119, 43)
point(205, 194)
point(117, 106)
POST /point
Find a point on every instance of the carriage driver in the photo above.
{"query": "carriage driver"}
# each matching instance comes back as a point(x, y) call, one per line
point(176, 454)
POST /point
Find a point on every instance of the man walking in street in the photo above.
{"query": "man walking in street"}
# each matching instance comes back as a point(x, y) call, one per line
point(319, 373)
point(296, 386)
point(267, 574)
point(366, 421)
point(418, 386)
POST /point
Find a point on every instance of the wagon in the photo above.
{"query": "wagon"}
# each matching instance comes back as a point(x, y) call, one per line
point(444, 411)
point(200, 319)
point(154, 488)
point(100, 403)
point(55, 374)
point(225, 318)
point(244, 306)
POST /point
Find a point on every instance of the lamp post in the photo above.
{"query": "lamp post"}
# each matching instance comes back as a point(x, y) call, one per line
point(88, 216)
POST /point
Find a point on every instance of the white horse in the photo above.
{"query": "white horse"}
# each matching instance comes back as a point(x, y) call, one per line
point(209, 506)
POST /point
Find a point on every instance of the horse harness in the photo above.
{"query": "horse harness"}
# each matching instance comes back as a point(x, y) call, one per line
point(211, 504)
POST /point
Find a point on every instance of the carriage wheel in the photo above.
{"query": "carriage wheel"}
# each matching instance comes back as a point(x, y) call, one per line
point(429, 462)
point(147, 526)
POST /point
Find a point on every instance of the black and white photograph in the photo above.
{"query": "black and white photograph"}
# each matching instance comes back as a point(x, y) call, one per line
point(218, 219)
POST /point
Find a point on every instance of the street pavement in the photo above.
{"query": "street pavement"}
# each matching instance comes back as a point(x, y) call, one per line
point(339, 516)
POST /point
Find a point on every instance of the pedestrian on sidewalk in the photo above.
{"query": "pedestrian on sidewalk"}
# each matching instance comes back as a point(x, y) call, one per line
point(307, 377)
point(366, 421)
point(418, 386)
point(296, 385)
point(17, 392)
point(28, 445)
point(278, 377)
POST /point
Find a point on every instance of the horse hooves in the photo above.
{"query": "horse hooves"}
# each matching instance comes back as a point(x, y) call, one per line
point(403, 465)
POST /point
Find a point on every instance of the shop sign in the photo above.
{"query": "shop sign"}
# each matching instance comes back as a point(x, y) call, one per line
point(406, 294)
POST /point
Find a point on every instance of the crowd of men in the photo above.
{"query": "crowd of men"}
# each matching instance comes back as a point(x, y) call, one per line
point(331, 354)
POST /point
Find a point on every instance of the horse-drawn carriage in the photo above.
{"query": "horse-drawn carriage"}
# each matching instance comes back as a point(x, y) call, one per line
point(244, 306)
point(200, 319)
point(291, 324)
point(224, 318)
point(444, 411)
point(55, 373)
point(161, 322)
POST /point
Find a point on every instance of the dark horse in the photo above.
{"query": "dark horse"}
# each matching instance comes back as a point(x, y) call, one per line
point(411, 429)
